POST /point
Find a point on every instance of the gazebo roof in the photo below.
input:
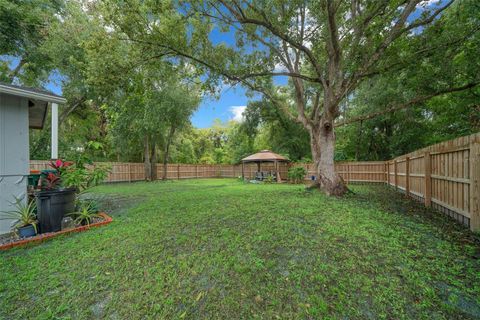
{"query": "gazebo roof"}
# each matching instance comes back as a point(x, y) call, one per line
point(264, 155)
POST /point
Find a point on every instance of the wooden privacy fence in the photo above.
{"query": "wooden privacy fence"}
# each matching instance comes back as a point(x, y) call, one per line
point(370, 172)
point(359, 172)
point(445, 176)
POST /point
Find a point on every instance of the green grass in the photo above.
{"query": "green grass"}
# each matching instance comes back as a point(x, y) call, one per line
point(223, 249)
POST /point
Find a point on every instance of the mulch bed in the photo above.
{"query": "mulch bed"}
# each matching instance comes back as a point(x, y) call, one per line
point(10, 241)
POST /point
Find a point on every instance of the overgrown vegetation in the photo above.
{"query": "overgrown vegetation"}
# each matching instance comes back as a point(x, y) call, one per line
point(221, 249)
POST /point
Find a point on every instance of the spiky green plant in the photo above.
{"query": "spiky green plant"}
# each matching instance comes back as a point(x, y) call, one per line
point(85, 215)
point(23, 214)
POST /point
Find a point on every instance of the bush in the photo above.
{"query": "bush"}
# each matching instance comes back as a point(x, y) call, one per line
point(296, 174)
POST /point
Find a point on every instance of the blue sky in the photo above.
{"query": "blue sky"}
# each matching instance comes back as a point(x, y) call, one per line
point(231, 101)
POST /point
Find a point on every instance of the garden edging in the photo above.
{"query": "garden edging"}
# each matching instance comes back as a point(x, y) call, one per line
point(43, 237)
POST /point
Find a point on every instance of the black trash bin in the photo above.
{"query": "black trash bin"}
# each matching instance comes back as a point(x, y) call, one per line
point(52, 206)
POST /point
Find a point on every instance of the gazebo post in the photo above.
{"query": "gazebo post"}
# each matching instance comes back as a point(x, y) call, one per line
point(277, 176)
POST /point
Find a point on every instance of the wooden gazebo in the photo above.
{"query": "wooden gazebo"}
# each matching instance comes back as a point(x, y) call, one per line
point(264, 156)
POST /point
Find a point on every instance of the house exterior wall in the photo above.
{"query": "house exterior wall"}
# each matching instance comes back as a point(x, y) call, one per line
point(14, 153)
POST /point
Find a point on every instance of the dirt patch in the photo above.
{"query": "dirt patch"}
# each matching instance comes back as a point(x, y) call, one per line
point(114, 204)
point(98, 309)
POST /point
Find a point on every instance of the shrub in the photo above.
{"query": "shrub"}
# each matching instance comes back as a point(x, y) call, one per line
point(296, 174)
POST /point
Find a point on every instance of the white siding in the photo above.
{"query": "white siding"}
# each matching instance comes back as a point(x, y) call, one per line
point(14, 153)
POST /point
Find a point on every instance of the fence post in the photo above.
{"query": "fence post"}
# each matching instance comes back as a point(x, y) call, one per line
point(428, 180)
point(196, 171)
point(407, 176)
point(386, 167)
point(129, 172)
point(178, 171)
point(475, 185)
point(395, 180)
point(348, 173)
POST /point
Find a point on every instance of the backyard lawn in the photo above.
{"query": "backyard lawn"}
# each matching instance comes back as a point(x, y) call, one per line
point(224, 249)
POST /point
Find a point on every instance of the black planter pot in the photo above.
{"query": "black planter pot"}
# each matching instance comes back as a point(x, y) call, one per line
point(52, 206)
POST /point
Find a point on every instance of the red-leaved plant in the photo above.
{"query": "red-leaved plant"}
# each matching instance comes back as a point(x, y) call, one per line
point(60, 165)
point(76, 174)
point(51, 181)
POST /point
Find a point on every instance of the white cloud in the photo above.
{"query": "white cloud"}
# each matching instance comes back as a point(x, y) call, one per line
point(237, 112)
point(279, 67)
point(427, 3)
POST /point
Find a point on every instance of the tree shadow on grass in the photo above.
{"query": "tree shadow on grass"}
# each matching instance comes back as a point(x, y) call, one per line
point(431, 227)
point(391, 201)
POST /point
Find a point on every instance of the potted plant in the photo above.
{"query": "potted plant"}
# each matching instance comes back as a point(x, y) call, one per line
point(54, 199)
point(24, 218)
point(59, 190)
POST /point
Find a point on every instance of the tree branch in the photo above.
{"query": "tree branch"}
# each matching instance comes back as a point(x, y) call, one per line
point(407, 104)
point(68, 111)
point(243, 19)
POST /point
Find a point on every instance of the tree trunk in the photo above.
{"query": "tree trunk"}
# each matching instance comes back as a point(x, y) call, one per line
point(165, 166)
point(359, 140)
point(167, 151)
point(153, 161)
point(322, 140)
point(146, 156)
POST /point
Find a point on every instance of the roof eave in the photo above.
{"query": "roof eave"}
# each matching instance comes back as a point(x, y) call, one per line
point(32, 95)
